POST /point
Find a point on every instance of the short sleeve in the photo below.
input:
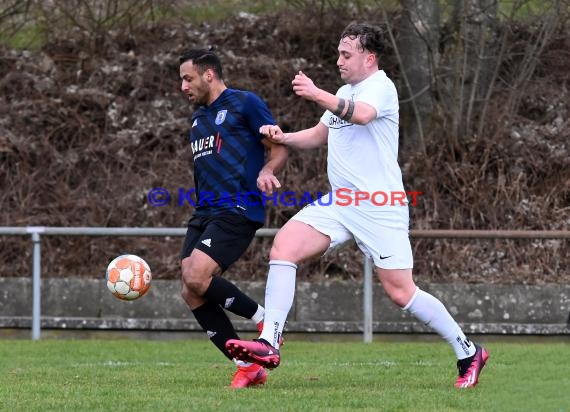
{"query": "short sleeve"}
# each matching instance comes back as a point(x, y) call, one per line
point(257, 113)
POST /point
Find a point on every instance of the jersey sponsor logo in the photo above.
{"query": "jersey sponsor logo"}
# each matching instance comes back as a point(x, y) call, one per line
point(206, 145)
point(228, 302)
point(221, 116)
point(336, 122)
point(210, 334)
point(207, 242)
point(384, 257)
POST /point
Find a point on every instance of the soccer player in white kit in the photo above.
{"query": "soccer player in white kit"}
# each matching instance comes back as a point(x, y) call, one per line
point(360, 125)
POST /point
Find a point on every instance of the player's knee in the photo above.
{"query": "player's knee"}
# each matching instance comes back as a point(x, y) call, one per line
point(196, 281)
point(280, 251)
point(274, 253)
point(187, 294)
point(192, 299)
point(398, 284)
point(193, 286)
point(400, 296)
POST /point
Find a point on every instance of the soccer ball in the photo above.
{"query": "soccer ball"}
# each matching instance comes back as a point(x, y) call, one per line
point(128, 277)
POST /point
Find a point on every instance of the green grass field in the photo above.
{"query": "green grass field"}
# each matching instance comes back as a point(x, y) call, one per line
point(190, 375)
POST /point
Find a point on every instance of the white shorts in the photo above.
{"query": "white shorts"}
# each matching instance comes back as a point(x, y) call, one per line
point(381, 233)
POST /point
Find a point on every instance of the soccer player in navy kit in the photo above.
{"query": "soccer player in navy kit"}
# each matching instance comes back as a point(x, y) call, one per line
point(233, 164)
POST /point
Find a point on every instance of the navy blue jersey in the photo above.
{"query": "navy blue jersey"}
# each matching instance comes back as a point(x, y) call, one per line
point(228, 154)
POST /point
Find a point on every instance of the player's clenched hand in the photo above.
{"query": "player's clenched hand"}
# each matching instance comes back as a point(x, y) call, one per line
point(273, 133)
point(303, 86)
point(267, 182)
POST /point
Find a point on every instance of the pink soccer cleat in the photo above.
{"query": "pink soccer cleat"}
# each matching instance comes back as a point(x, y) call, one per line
point(469, 375)
point(256, 351)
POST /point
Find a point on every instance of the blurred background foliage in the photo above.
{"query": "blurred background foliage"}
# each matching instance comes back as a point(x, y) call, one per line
point(91, 119)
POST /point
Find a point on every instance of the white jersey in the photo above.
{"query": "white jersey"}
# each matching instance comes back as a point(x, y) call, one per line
point(365, 158)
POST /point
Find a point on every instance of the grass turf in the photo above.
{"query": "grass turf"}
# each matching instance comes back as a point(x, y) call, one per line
point(191, 375)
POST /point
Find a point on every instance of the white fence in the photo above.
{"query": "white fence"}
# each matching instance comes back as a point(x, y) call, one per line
point(37, 231)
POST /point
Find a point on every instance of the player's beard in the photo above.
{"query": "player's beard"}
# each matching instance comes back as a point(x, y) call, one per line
point(201, 95)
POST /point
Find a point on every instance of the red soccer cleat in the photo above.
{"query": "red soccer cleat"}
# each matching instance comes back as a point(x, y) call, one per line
point(257, 351)
point(246, 376)
point(469, 375)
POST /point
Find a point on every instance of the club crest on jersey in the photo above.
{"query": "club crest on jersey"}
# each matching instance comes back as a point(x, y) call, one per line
point(221, 116)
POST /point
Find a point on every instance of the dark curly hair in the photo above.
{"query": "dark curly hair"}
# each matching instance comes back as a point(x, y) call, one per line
point(371, 37)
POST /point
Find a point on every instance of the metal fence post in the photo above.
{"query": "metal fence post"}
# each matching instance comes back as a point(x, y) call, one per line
point(36, 285)
point(368, 282)
point(367, 299)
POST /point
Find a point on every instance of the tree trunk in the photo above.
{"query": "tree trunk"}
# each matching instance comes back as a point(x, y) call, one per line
point(418, 48)
point(476, 25)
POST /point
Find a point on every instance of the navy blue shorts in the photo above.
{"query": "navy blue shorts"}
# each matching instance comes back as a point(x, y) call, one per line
point(222, 237)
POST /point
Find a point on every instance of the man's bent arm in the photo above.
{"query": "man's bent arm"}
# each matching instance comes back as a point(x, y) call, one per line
point(311, 138)
point(348, 110)
point(277, 157)
point(353, 112)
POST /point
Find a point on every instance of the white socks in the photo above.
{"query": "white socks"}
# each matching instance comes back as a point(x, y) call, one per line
point(280, 292)
point(431, 312)
point(279, 295)
point(258, 315)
